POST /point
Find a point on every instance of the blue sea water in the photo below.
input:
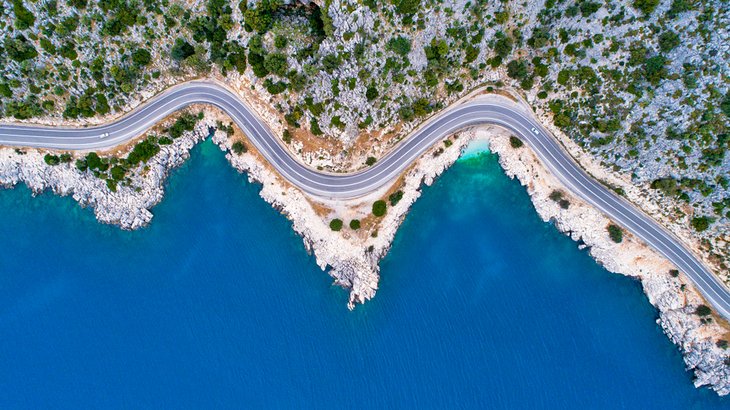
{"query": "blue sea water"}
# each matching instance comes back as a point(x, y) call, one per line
point(217, 304)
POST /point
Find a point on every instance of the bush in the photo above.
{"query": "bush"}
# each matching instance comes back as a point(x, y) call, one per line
point(336, 224)
point(395, 197)
point(181, 50)
point(239, 147)
point(701, 223)
point(400, 45)
point(142, 152)
point(371, 93)
point(52, 159)
point(355, 224)
point(615, 233)
point(722, 344)
point(646, 6)
point(370, 161)
point(515, 142)
point(141, 57)
point(379, 208)
point(703, 310)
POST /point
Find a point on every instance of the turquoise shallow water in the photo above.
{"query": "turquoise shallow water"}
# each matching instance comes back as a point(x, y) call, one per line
point(217, 304)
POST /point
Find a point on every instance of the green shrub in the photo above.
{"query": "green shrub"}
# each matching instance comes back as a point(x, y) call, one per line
point(395, 197)
point(239, 147)
point(142, 152)
point(379, 208)
point(674, 273)
point(701, 223)
point(615, 233)
point(703, 310)
point(355, 224)
point(515, 142)
point(141, 57)
point(646, 6)
point(336, 224)
point(52, 159)
point(370, 161)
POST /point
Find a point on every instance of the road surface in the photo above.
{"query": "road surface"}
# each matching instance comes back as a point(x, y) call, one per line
point(498, 111)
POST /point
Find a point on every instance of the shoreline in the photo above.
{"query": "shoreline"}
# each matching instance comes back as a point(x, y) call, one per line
point(352, 258)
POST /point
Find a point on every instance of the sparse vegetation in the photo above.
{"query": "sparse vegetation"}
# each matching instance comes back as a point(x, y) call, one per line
point(615, 233)
point(379, 208)
point(336, 224)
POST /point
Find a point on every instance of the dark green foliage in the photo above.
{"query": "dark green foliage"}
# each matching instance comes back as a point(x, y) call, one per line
point(111, 184)
point(23, 109)
point(725, 105)
point(379, 208)
point(615, 233)
point(503, 46)
point(181, 50)
point(52, 159)
point(518, 69)
point(81, 164)
point(703, 310)
point(407, 8)
point(280, 41)
point(314, 127)
point(336, 224)
point(722, 344)
point(118, 172)
point(679, 6)
point(654, 69)
point(331, 62)
point(588, 7)
point(142, 152)
point(141, 57)
point(257, 64)
point(673, 273)
point(557, 196)
point(120, 16)
point(701, 223)
point(65, 157)
point(94, 162)
point(370, 161)
point(400, 45)
point(165, 141)
point(23, 17)
point(19, 48)
point(646, 6)
point(515, 142)
point(276, 63)
point(395, 197)
point(239, 147)
point(186, 122)
point(667, 185)
point(371, 92)
point(5, 90)
point(68, 50)
point(274, 88)
point(668, 40)
point(355, 224)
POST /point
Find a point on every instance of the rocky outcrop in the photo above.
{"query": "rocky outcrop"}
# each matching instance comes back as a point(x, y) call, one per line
point(129, 207)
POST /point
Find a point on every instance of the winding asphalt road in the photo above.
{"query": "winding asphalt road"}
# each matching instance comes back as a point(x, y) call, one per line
point(498, 111)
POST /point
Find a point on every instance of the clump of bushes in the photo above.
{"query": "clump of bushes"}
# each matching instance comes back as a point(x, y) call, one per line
point(515, 142)
point(239, 147)
point(674, 273)
point(703, 310)
point(379, 208)
point(557, 196)
point(701, 223)
point(615, 233)
point(370, 161)
point(336, 224)
point(395, 197)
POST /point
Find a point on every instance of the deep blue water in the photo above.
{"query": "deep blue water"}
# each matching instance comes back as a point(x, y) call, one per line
point(217, 304)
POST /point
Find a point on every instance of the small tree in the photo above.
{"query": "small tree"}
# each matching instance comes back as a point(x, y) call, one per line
point(355, 224)
point(239, 147)
point(370, 161)
point(379, 208)
point(395, 197)
point(515, 142)
point(336, 224)
point(615, 233)
point(52, 159)
point(703, 310)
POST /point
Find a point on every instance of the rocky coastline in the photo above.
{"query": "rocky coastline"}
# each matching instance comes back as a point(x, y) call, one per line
point(352, 257)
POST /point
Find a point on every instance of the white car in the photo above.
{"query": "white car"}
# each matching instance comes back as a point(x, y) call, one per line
point(535, 131)
point(104, 135)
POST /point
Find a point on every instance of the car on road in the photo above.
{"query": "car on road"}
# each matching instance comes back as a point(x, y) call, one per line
point(535, 131)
